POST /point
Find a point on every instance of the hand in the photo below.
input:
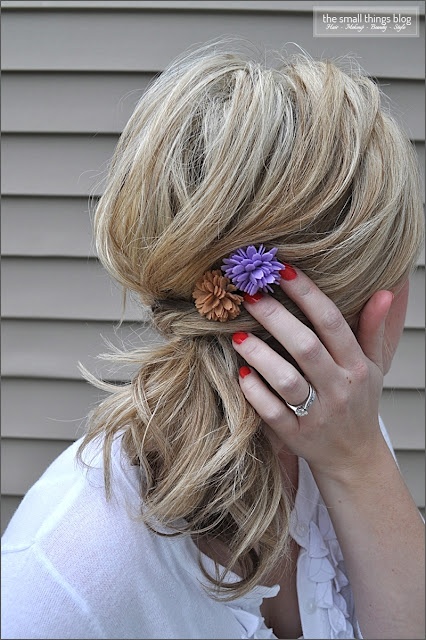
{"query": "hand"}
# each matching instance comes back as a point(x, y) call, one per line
point(341, 429)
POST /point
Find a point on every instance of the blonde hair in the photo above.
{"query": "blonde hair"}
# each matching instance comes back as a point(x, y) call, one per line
point(220, 153)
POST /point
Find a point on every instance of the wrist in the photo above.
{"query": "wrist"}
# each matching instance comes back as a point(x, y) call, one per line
point(371, 463)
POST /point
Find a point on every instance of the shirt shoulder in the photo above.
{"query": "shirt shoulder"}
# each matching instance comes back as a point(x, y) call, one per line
point(45, 502)
point(68, 549)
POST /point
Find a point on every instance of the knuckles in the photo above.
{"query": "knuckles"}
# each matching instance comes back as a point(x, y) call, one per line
point(309, 347)
point(360, 371)
point(251, 347)
point(305, 288)
point(271, 309)
point(333, 320)
point(288, 384)
point(273, 415)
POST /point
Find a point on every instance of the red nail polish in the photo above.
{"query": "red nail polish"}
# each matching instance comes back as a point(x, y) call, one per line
point(244, 371)
point(239, 337)
point(288, 273)
point(254, 298)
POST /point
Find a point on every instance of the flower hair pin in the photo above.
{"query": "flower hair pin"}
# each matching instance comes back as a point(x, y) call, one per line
point(252, 270)
point(248, 270)
point(215, 298)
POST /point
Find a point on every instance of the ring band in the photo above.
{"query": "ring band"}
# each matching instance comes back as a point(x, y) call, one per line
point(302, 409)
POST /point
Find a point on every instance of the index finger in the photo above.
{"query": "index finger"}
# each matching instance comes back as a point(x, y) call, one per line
point(328, 321)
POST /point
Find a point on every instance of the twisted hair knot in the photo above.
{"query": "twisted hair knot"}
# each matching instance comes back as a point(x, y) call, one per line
point(180, 319)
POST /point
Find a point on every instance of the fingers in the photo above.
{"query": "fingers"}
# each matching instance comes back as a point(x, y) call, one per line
point(271, 410)
point(279, 373)
point(341, 367)
point(298, 339)
point(333, 331)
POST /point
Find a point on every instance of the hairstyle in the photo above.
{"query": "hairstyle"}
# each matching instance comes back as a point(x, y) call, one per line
point(222, 152)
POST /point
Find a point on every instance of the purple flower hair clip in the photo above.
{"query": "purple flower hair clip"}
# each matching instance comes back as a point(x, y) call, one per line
point(251, 269)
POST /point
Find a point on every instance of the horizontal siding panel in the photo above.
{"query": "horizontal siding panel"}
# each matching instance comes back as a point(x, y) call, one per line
point(73, 165)
point(412, 465)
point(406, 101)
point(407, 369)
point(50, 165)
point(52, 102)
point(82, 290)
point(56, 226)
point(57, 410)
point(395, 406)
point(37, 226)
point(23, 462)
point(51, 349)
point(300, 6)
point(148, 40)
point(72, 102)
point(53, 409)
point(416, 301)
point(63, 289)
point(47, 226)
point(9, 504)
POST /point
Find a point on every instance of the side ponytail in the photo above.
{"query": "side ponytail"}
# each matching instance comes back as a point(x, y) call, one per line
point(207, 467)
point(222, 153)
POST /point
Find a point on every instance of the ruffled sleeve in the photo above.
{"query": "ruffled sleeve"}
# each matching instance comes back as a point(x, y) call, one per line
point(325, 598)
point(246, 611)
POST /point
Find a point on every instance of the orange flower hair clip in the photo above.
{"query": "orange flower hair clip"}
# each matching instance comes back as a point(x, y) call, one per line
point(214, 297)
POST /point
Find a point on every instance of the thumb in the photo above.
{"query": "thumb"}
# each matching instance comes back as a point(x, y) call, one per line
point(371, 326)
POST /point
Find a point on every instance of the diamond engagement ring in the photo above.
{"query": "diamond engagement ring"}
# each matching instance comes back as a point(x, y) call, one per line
point(302, 409)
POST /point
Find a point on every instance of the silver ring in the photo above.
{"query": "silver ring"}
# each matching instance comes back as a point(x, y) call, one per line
point(302, 409)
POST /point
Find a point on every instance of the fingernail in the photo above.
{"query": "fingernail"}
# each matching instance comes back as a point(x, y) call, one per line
point(244, 371)
point(254, 298)
point(288, 273)
point(239, 337)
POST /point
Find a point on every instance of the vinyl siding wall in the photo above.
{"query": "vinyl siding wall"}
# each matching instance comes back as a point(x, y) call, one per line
point(72, 73)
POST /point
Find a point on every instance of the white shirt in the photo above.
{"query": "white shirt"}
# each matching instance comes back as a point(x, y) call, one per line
point(77, 566)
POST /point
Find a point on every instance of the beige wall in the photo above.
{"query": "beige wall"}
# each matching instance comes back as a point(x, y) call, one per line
point(72, 72)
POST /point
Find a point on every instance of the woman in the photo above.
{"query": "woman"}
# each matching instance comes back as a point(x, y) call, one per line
point(242, 484)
